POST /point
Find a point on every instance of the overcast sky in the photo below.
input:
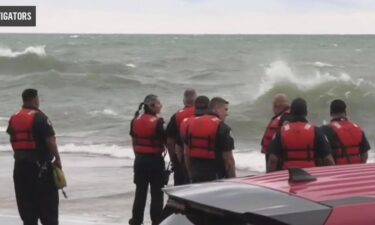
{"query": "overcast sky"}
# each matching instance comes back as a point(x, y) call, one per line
point(201, 16)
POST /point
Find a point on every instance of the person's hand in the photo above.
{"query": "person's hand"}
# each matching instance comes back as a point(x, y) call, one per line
point(57, 162)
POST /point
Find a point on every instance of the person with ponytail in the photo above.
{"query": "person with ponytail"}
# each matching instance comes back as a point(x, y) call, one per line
point(148, 140)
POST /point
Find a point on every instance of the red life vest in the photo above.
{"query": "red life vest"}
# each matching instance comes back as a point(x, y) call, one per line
point(349, 139)
point(272, 127)
point(21, 125)
point(298, 140)
point(202, 136)
point(184, 113)
point(145, 138)
point(184, 126)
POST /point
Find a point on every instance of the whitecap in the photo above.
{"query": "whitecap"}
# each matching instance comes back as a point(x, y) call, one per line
point(279, 72)
point(322, 64)
point(130, 65)
point(108, 112)
point(36, 50)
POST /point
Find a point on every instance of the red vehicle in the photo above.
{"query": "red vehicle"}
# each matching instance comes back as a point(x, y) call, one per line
point(334, 195)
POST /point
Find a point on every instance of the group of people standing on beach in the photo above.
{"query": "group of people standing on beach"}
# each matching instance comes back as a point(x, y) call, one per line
point(200, 144)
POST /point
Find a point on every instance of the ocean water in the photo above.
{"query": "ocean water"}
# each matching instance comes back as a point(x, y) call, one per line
point(90, 85)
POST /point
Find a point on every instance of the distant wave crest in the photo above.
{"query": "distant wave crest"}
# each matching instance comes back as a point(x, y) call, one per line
point(279, 73)
point(31, 50)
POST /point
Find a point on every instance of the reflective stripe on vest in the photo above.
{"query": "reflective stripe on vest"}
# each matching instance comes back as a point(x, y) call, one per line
point(21, 125)
point(346, 149)
point(298, 145)
point(272, 127)
point(202, 136)
point(145, 137)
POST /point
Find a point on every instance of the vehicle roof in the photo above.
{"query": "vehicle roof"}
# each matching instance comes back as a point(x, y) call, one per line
point(332, 183)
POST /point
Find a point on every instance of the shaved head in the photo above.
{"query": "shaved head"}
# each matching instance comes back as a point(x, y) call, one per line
point(280, 103)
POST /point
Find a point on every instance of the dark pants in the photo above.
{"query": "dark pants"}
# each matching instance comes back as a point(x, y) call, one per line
point(148, 170)
point(204, 170)
point(180, 174)
point(36, 194)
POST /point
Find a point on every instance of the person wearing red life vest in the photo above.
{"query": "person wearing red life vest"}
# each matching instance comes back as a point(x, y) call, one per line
point(348, 141)
point(298, 144)
point(280, 108)
point(209, 144)
point(174, 145)
point(148, 139)
point(35, 150)
point(201, 108)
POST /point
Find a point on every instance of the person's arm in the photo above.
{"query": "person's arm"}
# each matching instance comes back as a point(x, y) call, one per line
point(171, 138)
point(275, 151)
point(171, 145)
point(364, 157)
point(328, 160)
point(230, 167)
point(364, 148)
point(52, 147)
point(179, 151)
point(187, 161)
point(273, 161)
point(45, 129)
point(225, 146)
point(323, 148)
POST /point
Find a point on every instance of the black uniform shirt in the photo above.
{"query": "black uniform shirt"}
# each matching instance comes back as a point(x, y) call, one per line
point(322, 148)
point(329, 132)
point(172, 129)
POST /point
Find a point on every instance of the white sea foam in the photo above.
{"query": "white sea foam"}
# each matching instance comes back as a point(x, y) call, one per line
point(108, 112)
point(37, 50)
point(245, 160)
point(130, 65)
point(74, 36)
point(279, 72)
point(322, 64)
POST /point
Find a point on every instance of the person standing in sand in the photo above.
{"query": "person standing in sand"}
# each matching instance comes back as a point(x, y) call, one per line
point(280, 108)
point(208, 145)
point(34, 144)
point(175, 147)
point(148, 139)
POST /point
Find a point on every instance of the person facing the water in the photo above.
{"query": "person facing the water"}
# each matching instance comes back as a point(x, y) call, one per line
point(348, 141)
point(280, 111)
point(298, 143)
point(35, 150)
point(148, 139)
point(201, 108)
point(209, 145)
point(174, 146)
